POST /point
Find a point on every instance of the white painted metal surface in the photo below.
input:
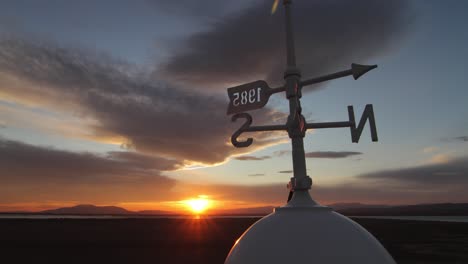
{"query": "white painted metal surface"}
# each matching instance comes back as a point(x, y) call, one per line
point(305, 232)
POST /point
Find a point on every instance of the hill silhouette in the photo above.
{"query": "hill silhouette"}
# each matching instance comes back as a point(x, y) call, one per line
point(343, 206)
point(442, 209)
point(89, 209)
point(350, 209)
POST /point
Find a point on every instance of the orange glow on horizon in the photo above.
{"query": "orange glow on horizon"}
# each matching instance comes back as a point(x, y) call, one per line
point(193, 204)
point(198, 205)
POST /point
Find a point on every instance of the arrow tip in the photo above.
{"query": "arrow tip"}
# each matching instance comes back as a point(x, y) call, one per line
point(359, 70)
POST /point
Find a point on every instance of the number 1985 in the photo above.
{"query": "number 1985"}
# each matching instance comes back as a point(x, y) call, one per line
point(245, 97)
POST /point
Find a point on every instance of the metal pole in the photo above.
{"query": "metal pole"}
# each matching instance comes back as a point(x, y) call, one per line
point(291, 56)
point(300, 182)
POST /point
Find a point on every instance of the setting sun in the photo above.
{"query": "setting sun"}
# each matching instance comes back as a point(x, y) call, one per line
point(198, 205)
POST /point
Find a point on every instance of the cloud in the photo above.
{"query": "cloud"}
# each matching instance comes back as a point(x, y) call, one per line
point(420, 184)
point(256, 174)
point(455, 139)
point(430, 183)
point(453, 172)
point(440, 158)
point(331, 154)
point(462, 138)
point(280, 153)
point(430, 149)
point(44, 174)
point(252, 157)
point(321, 154)
point(361, 191)
point(285, 171)
point(203, 10)
point(22, 163)
point(354, 190)
point(36, 174)
point(51, 123)
point(249, 44)
point(155, 117)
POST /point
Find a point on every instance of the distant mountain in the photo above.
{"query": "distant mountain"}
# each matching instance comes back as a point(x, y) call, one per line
point(350, 209)
point(264, 210)
point(343, 206)
point(89, 209)
point(409, 210)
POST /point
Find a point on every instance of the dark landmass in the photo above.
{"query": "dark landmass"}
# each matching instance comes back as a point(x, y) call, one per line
point(342, 206)
point(198, 240)
point(88, 209)
point(349, 209)
point(256, 211)
point(443, 209)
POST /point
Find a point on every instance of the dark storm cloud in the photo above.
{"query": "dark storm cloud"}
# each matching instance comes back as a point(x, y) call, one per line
point(246, 157)
point(27, 164)
point(454, 172)
point(249, 45)
point(155, 117)
point(202, 9)
point(331, 154)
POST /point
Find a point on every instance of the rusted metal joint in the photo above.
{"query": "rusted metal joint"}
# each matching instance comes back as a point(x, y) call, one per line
point(303, 183)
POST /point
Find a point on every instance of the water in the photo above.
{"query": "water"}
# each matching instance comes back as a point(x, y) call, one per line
point(459, 219)
point(46, 216)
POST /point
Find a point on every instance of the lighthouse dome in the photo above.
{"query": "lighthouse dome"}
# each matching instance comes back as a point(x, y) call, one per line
point(307, 234)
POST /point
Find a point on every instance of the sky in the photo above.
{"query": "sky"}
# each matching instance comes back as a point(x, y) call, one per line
point(124, 102)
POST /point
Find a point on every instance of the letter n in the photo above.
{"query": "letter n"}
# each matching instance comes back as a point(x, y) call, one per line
point(356, 132)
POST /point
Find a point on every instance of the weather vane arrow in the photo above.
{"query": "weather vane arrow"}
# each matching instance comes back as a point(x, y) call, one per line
point(255, 95)
point(357, 70)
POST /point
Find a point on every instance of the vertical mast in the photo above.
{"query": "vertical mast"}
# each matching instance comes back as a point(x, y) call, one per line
point(300, 183)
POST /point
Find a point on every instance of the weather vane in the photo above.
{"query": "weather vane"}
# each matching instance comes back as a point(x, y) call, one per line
point(302, 231)
point(255, 95)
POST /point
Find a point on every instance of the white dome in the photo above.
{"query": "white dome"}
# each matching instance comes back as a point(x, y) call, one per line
point(307, 233)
